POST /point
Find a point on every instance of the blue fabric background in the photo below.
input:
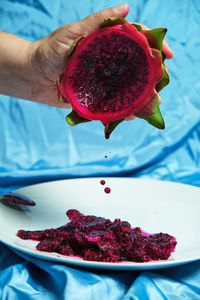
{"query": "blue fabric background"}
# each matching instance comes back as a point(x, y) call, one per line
point(37, 145)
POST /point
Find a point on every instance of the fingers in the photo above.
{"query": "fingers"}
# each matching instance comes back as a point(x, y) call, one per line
point(92, 22)
point(159, 99)
point(130, 118)
point(165, 48)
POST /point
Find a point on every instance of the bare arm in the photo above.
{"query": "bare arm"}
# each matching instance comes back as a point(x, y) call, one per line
point(14, 71)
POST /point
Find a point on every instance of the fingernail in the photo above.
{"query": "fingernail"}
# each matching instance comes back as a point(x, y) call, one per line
point(172, 53)
point(121, 7)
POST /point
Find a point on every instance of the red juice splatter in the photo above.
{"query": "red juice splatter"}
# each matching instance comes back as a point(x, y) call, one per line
point(105, 156)
point(107, 190)
point(102, 182)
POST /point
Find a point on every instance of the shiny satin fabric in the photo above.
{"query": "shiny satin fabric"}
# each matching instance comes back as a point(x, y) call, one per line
point(24, 277)
point(37, 145)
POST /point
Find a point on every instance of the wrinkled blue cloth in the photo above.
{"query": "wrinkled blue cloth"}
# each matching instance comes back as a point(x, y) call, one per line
point(37, 145)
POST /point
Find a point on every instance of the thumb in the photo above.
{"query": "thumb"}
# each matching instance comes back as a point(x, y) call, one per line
point(93, 21)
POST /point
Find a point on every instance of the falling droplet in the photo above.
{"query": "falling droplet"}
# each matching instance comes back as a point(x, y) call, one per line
point(107, 190)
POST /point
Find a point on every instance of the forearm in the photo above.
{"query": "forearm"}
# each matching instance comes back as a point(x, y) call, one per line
point(15, 70)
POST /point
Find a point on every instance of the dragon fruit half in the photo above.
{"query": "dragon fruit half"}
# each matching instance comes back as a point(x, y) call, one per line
point(114, 72)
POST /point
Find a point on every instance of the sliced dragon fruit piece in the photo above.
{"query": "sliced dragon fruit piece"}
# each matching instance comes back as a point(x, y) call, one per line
point(36, 235)
point(114, 72)
point(15, 199)
point(99, 239)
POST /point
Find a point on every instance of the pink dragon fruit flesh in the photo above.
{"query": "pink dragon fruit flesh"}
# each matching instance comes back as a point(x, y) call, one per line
point(114, 72)
point(99, 239)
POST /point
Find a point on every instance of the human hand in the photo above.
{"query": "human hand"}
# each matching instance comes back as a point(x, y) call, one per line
point(49, 55)
point(31, 73)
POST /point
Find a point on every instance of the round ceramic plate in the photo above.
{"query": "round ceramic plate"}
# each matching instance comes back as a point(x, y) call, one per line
point(155, 206)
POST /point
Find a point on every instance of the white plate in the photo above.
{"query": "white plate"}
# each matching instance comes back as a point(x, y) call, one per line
point(155, 206)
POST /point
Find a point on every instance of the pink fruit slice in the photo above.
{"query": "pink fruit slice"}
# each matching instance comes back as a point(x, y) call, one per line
point(114, 72)
point(100, 239)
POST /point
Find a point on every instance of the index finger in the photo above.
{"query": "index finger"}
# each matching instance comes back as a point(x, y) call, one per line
point(92, 22)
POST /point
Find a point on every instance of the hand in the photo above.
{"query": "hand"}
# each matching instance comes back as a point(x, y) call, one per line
point(49, 55)
point(31, 73)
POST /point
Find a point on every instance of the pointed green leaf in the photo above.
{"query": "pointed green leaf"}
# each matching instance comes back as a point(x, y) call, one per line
point(164, 81)
point(72, 48)
point(155, 118)
point(110, 127)
point(155, 37)
point(73, 118)
point(137, 26)
point(113, 21)
point(163, 57)
point(61, 99)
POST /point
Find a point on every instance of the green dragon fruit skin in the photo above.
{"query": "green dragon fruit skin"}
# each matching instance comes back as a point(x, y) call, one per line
point(114, 72)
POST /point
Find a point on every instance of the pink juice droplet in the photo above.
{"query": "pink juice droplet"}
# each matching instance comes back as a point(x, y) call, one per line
point(107, 190)
point(102, 182)
point(105, 156)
